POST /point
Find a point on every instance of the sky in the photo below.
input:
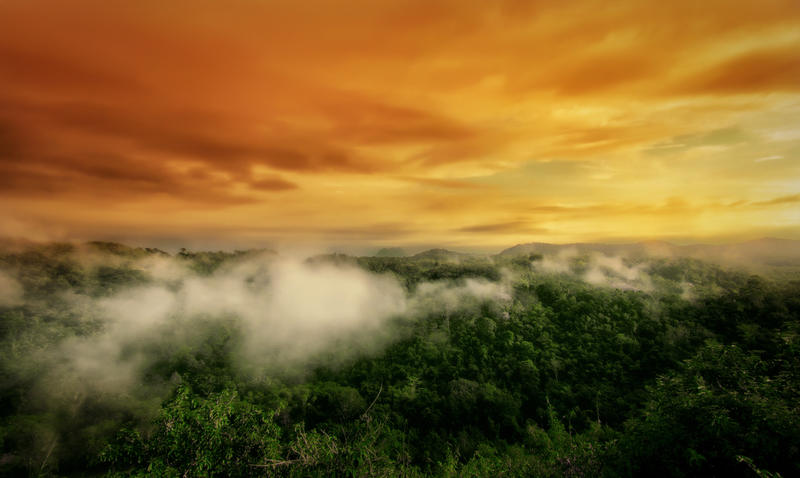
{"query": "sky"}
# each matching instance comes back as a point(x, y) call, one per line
point(462, 124)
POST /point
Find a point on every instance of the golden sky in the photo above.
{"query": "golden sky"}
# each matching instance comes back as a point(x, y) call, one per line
point(462, 123)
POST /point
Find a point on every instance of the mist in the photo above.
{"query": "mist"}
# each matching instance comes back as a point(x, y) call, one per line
point(275, 315)
point(10, 290)
point(599, 269)
point(272, 315)
point(614, 271)
point(101, 340)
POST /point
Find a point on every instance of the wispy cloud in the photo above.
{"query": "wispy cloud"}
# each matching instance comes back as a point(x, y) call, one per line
point(402, 112)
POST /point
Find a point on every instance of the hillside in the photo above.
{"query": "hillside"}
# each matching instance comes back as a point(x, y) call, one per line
point(123, 361)
point(781, 256)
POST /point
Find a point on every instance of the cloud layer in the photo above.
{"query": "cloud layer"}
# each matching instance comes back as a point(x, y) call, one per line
point(468, 123)
point(273, 315)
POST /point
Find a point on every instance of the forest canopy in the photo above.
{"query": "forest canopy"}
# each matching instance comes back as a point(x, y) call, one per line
point(124, 361)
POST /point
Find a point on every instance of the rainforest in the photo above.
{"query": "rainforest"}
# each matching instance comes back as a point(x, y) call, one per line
point(542, 360)
point(400, 238)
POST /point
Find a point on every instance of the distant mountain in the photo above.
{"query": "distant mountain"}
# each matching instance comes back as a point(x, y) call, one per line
point(760, 253)
point(118, 249)
point(649, 248)
point(767, 251)
point(391, 252)
point(15, 244)
point(440, 255)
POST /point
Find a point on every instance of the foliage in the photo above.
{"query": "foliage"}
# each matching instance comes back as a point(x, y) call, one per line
point(563, 379)
point(195, 436)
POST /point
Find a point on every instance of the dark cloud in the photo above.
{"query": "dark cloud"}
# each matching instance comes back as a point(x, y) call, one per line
point(442, 183)
point(272, 184)
point(790, 199)
point(594, 73)
point(509, 227)
point(27, 68)
point(766, 70)
point(99, 183)
point(366, 121)
point(195, 135)
point(28, 173)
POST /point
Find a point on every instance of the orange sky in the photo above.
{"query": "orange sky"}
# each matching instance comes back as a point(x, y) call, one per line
point(456, 123)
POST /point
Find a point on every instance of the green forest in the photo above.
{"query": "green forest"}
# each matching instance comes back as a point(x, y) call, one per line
point(121, 361)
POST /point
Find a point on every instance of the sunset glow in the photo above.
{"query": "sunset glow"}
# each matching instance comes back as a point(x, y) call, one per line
point(376, 123)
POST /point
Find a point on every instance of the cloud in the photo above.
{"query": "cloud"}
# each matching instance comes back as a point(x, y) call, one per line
point(560, 263)
point(718, 137)
point(764, 70)
point(284, 315)
point(299, 309)
point(365, 121)
point(598, 269)
point(768, 158)
point(11, 293)
point(430, 297)
point(272, 184)
point(285, 114)
point(512, 227)
point(113, 178)
point(42, 68)
point(442, 183)
point(612, 271)
point(598, 73)
point(793, 198)
point(214, 139)
point(128, 151)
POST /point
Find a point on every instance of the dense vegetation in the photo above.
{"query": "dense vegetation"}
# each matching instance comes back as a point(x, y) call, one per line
point(695, 374)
